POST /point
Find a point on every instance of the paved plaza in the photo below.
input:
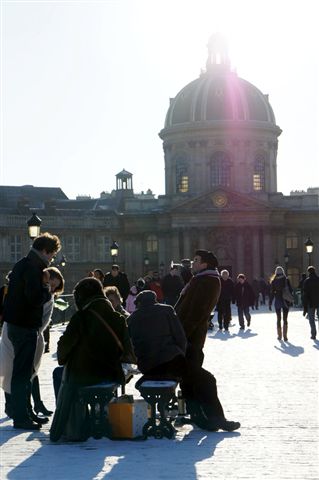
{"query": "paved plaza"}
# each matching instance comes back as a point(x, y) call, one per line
point(271, 387)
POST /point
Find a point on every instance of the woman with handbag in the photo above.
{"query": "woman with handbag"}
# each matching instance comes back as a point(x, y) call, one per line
point(281, 291)
point(91, 349)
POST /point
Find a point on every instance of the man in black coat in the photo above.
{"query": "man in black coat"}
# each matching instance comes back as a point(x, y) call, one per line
point(244, 298)
point(157, 335)
point(23, 312)
point(311, 298)
point(116, 278)
point(160, 346)
point(172, 285)
point(224, 302)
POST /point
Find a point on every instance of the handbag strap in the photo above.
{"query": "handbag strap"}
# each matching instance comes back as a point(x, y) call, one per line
point(107, 326)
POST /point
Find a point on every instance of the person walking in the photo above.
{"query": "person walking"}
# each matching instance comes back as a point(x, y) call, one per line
point(244, 298)
point(278, 283)
point(224, 303)
point(23, 312)
point(311, 298)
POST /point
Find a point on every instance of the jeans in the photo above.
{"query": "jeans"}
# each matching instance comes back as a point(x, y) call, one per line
point(24, 341)
point(311, 318)
point(241, 312)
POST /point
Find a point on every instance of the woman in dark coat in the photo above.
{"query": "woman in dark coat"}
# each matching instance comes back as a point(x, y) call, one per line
point(278, 283)
point(90, 354)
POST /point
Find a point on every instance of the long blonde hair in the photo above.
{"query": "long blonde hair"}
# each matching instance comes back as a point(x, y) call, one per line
point(278, 271)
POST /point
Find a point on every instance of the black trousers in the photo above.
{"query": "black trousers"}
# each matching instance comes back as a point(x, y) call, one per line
point(24, 341)
point(197, 384)
point(224, 314)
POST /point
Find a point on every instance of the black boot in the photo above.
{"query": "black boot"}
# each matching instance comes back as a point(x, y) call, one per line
point(38, 404)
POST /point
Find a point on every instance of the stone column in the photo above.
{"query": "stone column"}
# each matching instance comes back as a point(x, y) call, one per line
point(255, 255)
point(239, 252)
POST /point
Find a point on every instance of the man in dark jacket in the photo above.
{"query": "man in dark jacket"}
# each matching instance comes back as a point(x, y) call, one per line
point(157, 334)
point(224, 303)
point(311, 298)
point(160, 344)
point(23, 313)
point(196, 302)
point(116, 278)
point(244, 298)
point(198, 299)
point(172, 285)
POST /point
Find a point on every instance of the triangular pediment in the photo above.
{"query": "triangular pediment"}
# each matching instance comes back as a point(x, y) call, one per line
point(221, 199)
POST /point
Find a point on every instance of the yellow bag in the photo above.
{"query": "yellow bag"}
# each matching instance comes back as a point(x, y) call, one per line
point(127, 417)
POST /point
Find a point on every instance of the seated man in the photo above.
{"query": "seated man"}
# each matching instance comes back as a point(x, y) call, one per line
point(159, 343)
point(90, 349)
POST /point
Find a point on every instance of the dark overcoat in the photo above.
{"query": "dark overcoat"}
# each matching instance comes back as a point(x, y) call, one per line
point(244, 295)
point(157, 335)
point(311, 291)
point(26, 292)
point(90, 355)
point(195, 305)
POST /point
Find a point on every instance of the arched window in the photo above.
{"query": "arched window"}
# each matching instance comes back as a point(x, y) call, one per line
point(151, 244)
point(220, 170)
point(259, 173)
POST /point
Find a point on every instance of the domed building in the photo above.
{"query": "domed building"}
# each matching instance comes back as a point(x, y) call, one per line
point(220, 131)
point(220, 141)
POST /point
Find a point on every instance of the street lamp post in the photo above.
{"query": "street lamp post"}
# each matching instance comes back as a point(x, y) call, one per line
point(309, 249)
point(286, 259)
point(34, 224)
point(114, 248)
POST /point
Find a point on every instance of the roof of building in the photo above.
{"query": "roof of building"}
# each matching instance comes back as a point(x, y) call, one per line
point(219, 95)
point(30, 196)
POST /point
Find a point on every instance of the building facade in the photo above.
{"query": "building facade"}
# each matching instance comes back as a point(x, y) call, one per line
point(220, 142)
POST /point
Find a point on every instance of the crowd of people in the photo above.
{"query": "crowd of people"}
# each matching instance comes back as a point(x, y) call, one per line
point(160, 324)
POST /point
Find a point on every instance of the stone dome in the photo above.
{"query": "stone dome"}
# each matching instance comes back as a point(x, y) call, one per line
point(219, 95)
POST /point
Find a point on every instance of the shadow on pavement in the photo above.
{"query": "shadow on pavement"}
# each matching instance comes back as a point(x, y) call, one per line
point(163, 458)
point(246, 333)
point(290, 349)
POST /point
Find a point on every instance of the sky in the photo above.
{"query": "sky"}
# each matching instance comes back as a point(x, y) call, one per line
point(85, 85)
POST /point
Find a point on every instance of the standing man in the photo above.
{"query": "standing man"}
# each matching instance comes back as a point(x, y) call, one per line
point(172, 284)
point(27, 293)
point(311, 298)
point(116, 278)
point(195, 304)
point(224, 303)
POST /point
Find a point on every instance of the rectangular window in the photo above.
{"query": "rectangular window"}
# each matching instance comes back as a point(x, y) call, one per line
point(151, 244)
point(15, 248)
point(103, 248)
point(72, 248)
point(291, 240)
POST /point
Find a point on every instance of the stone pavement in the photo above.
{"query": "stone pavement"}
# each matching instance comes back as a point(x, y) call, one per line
point(271, 387)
